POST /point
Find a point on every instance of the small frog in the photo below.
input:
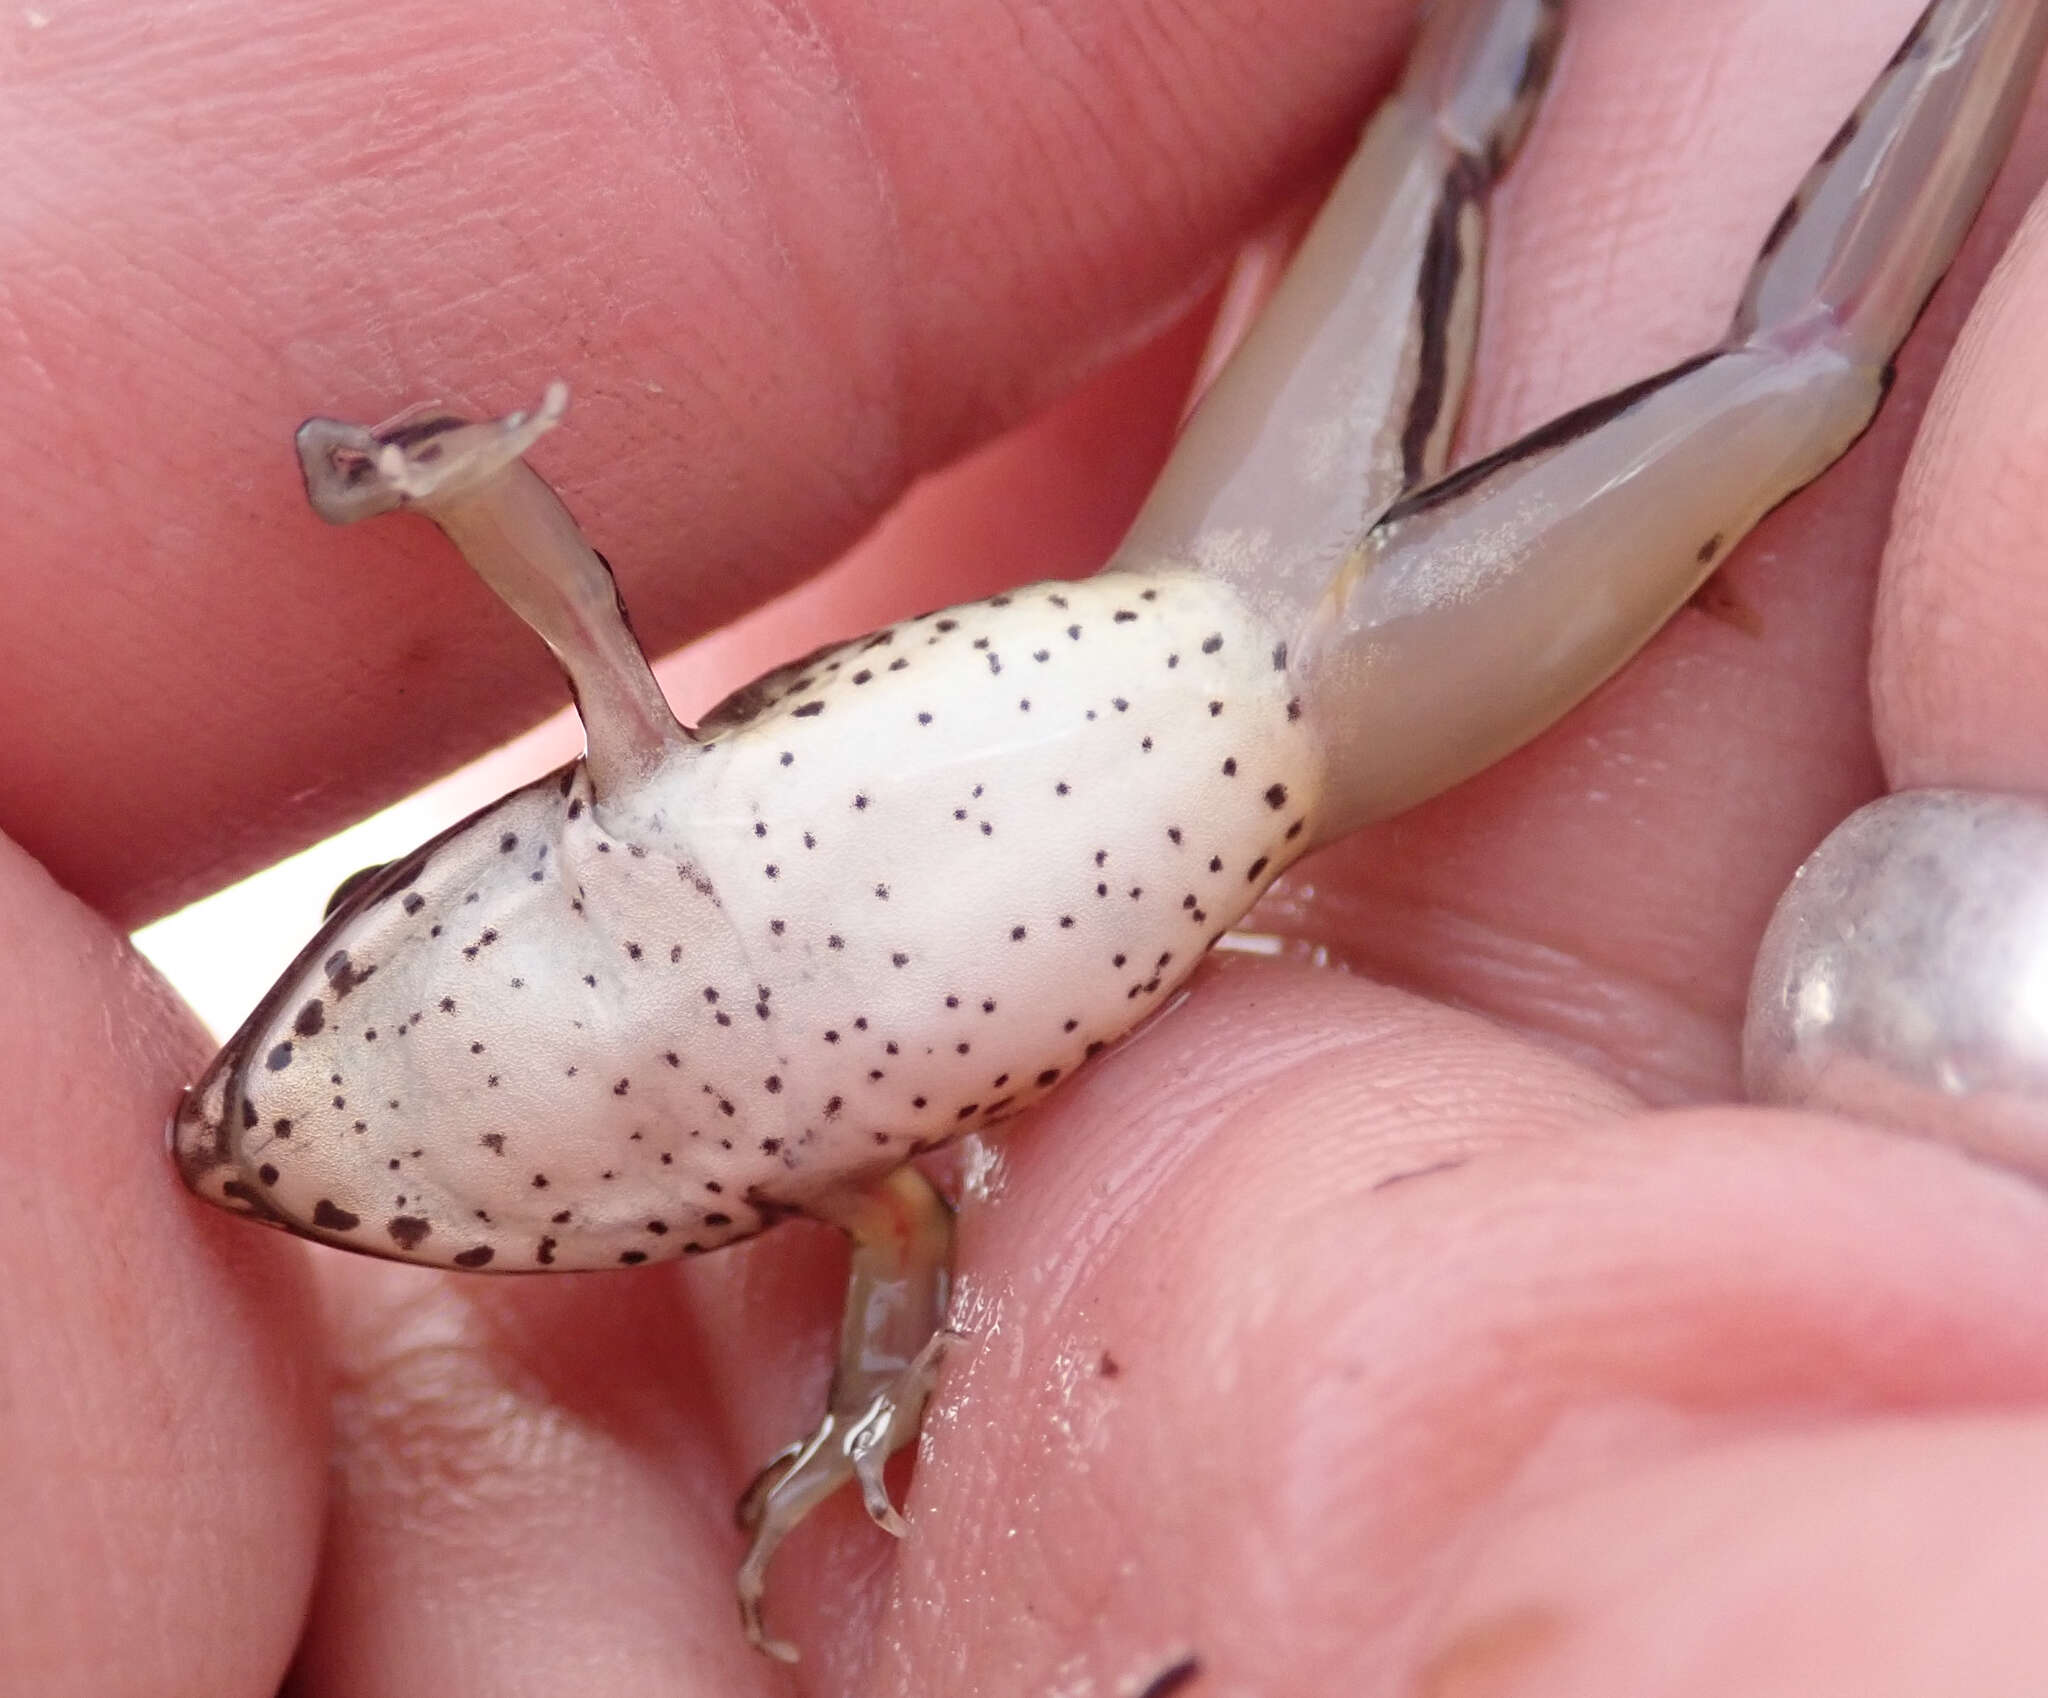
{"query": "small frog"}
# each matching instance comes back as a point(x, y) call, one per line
point(704, 979)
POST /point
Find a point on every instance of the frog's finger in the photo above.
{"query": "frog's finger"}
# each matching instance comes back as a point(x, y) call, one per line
point(1959, 673)
point(162, 1395)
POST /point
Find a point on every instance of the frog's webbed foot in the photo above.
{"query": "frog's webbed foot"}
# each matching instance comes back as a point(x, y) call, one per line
point(890, 1343)
point(472, 481)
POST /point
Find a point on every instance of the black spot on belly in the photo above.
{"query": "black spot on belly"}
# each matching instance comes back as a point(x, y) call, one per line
point(311, 1019)
point(279, 1058)
point(545, 1254)
point(267, 1174)
point(407, 1231)
point(332, 1219)
point(475, 1258)
point(632, 1258)
point(1276, 795)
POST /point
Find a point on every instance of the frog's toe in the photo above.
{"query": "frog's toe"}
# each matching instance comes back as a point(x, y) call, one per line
point(889, 1423)
point(754, 1500)
point(846, 1446)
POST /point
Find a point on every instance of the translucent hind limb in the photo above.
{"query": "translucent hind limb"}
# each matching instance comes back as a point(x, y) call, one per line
point(1482, 607)
point(472, 481)
point(891, 1338)
point(1348, 388)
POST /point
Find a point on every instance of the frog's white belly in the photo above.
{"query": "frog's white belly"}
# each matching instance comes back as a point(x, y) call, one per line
point(895, 895)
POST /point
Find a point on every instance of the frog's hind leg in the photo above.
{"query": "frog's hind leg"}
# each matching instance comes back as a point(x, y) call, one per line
point(1348, 388)
point(890, 1337)
point(1481, 607)
point(472, 481)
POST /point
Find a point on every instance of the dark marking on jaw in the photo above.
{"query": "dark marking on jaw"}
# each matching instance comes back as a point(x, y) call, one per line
point(279, 1058)
point(474, 1258)
point(331, 1218)
point(1709, 548)
point(311, 1019)
point(545, 1253)
point(810, 710)
point(267, 1174)
point(407, 1231)
point(257, 1203)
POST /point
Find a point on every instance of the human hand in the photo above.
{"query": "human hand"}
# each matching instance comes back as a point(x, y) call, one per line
point(1707, 1398)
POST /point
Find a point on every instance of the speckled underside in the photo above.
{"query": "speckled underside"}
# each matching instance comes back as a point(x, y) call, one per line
point(898, 892)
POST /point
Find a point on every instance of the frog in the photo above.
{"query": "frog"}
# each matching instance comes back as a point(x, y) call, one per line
point(707, 978)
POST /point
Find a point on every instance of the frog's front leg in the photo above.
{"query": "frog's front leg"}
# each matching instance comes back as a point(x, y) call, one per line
point(891, 1333)
point(519, 538)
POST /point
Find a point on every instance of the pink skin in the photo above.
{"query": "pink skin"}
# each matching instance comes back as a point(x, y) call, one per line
point(1646, 1402)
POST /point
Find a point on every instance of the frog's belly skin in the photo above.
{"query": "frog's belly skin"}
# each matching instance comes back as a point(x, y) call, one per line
point(896, 895)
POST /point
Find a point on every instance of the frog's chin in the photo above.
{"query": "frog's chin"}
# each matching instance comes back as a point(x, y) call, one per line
point(201, 1144)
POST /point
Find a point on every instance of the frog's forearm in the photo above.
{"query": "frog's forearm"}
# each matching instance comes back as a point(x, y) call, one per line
point(519, 538)
point(1480, 609)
